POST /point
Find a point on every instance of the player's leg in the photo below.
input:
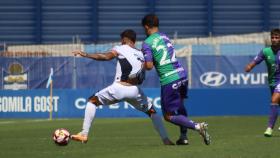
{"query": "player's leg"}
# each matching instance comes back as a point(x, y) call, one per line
point(90, 111)
point(172, 102)
point(103, 97)
point(159, 126)
point(183, 139)
point(88, 118)
point(141, 103)
point(275, 99)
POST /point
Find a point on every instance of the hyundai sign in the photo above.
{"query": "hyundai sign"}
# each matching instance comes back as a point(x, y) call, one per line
point(226, 72)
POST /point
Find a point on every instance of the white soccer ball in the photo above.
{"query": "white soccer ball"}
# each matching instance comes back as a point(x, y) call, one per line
point(61, 136)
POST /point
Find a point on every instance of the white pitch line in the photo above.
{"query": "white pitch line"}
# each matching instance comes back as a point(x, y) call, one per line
point(29, 121)
point(7, 122)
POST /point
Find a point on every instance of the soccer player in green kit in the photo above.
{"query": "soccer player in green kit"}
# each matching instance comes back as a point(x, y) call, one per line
point(159, 53)
point(271, 57)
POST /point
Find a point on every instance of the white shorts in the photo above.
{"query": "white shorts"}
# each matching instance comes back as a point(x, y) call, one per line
point(117, 92)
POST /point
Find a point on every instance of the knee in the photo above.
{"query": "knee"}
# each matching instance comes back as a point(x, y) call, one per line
point(151, 111)
point(167, 117)
point(94, 100)
point(274, 101)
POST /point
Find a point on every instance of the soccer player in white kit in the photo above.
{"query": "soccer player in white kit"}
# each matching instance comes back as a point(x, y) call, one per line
point(129, 75)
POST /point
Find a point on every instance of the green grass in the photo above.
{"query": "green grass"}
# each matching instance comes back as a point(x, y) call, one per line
point(233, 137)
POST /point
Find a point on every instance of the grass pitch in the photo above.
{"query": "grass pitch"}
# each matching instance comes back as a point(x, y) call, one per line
point(232, 137)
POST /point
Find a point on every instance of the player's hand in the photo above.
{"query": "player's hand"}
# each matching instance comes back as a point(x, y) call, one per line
point(248, 68)
point(79, 53)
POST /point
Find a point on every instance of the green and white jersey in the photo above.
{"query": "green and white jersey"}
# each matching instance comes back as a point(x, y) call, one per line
point(272, 62)
point(157, 48)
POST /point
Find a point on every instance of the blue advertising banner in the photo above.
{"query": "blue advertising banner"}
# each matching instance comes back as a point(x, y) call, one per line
point(71, 103)
point(226, 72)
point(205, 71)
point(69, 72)
point(219, 86)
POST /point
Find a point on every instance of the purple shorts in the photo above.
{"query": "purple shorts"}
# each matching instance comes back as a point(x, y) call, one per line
point(172, 96)
point(275, 89)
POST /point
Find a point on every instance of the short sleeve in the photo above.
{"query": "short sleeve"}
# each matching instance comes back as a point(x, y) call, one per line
point(115, 48)
point(259, 58)
point(147, 51)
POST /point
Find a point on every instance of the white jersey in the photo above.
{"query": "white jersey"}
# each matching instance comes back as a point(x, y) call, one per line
point(129, 64)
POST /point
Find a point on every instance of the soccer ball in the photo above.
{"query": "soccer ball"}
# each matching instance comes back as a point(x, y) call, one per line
point(61, 136)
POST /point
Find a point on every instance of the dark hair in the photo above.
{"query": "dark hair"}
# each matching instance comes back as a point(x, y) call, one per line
point(275, 32)
point(151, 20)
point(130, 34)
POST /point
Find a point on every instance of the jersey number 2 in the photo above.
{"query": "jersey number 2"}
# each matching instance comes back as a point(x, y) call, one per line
point(164, 58)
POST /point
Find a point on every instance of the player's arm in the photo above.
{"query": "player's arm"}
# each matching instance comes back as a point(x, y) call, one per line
point(149, 65)
point(97, 56)
point(258, 59)
point(250, 66)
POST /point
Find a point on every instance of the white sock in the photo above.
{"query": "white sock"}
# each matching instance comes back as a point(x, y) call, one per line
point(158, 125)
point(197, 126)
point(88, 118)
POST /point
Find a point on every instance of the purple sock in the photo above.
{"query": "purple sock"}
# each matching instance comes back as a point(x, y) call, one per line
point(183, 132)
point(273, 115)
point(182, 120)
